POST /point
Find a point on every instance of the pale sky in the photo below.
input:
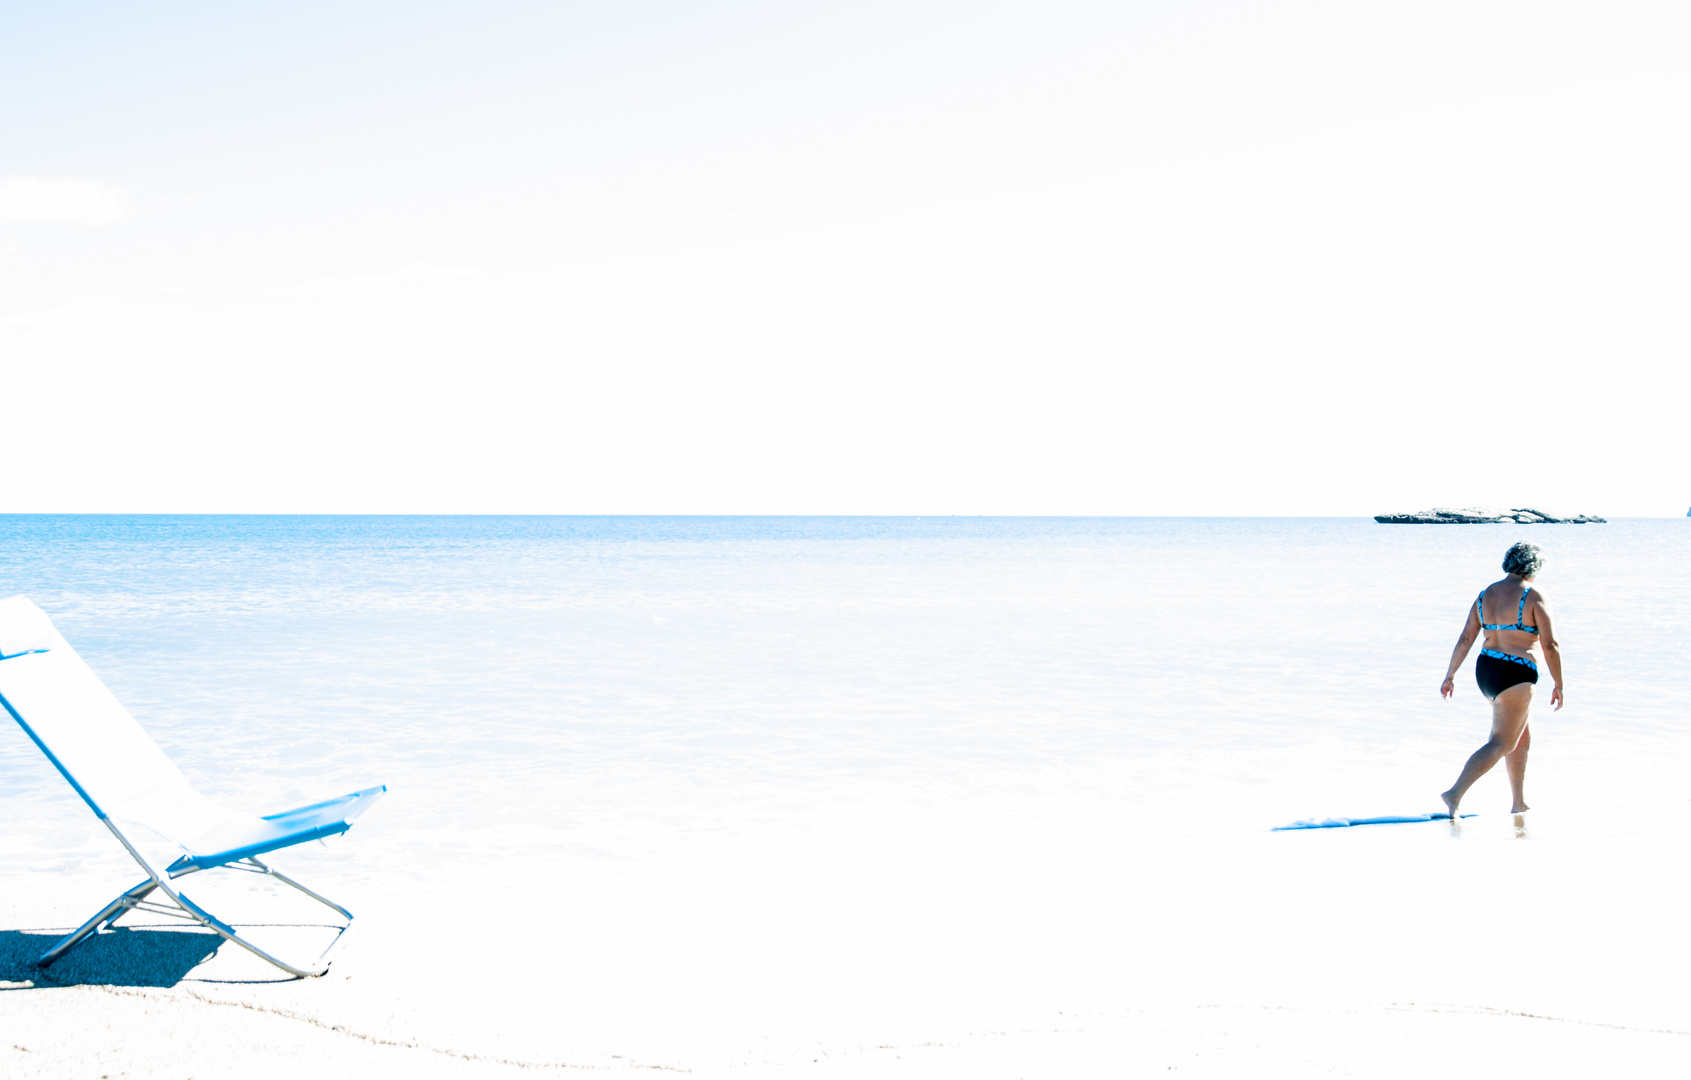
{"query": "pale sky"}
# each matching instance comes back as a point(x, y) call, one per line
point(920, 257)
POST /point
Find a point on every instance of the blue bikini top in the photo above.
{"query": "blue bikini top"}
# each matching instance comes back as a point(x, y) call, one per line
point(1479, 610)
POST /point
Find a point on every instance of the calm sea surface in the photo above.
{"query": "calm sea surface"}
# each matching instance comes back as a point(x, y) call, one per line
point(553, 691)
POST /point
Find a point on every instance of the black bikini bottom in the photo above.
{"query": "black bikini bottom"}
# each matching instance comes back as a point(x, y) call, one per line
point(1495, 675)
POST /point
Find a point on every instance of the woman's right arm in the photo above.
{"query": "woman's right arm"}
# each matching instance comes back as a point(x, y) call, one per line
point(1470, 633)
point(1552, 651)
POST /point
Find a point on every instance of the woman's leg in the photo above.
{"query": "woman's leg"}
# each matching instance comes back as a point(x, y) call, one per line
point(1508, 725)
point(1516, 760)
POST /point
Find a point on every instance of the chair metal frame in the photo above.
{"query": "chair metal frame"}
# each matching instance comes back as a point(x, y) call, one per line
point(135, 899)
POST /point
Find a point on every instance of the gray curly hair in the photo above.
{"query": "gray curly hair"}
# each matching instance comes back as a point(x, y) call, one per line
point(1523, 559)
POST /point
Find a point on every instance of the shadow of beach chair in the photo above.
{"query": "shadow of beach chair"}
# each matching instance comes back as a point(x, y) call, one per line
point(127, 956)
point(135, 790)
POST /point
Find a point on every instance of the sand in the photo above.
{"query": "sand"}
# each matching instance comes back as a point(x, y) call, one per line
point(1397, 952)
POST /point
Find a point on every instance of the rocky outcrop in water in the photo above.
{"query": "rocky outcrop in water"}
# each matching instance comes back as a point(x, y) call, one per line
point(1482, 516)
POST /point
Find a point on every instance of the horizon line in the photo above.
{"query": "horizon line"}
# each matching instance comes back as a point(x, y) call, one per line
point(696, 514)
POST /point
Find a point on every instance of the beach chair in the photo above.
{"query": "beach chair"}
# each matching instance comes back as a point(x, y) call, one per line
point(137, 792)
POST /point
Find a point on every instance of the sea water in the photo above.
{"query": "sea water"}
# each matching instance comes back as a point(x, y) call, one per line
point(1065, 737)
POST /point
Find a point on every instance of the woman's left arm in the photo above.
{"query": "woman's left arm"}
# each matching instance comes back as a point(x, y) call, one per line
point(1552, 651)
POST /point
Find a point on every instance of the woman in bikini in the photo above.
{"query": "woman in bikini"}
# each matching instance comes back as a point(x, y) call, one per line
point(1506, 670)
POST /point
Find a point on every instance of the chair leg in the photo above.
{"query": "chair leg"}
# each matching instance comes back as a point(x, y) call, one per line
point(317, 967)
point(211, 921)
point(204, 917)
point(286, 880)
point(108, 915)
point(131, 899)
point(118, 907)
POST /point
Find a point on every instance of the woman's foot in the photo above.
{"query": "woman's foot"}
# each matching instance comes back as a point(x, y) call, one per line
point(1519, 808)
point(1450, 803)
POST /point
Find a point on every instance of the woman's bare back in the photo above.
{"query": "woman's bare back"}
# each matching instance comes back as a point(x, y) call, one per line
point(1501, 611)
